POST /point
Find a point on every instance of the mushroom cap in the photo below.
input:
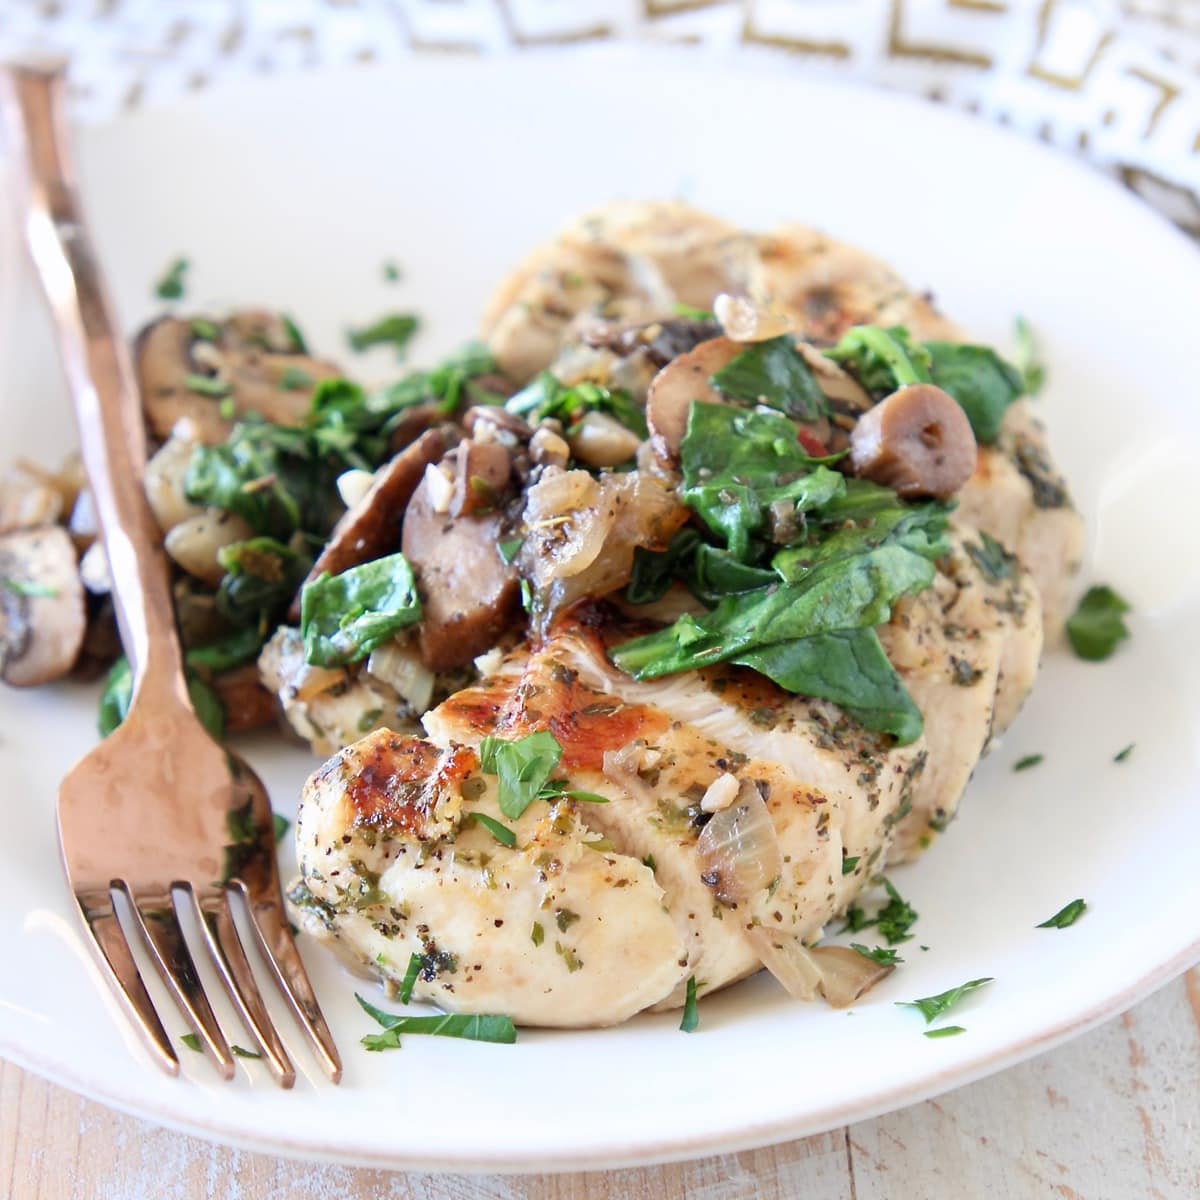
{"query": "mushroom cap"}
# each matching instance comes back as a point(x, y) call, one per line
point(682, 381)
point(42, 613)
point(918, 441)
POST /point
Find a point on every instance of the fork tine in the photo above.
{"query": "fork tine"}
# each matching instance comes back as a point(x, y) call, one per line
point(123, 976)
point(275, 937)
point(159, 923)
point(221, 933)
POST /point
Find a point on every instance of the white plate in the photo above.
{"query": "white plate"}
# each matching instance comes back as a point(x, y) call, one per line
point(293, 193)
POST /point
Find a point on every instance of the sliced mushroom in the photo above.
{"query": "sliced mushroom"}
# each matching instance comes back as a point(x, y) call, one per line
point(250, 363)
point(481, 474)
point(917, 441)
point(372, 528)
point(677, 385)
point(248, 705)
point(42, 612)
point(469, 594)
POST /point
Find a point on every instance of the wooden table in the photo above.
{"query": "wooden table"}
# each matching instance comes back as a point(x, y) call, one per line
point(1114, 1115)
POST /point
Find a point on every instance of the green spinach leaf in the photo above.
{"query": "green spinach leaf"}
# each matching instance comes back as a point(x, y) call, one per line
point(1096, 625)
point(772, 373)
point(344, 617)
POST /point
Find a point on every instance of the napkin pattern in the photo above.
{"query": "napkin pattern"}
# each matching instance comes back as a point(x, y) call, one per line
point(1114, 81)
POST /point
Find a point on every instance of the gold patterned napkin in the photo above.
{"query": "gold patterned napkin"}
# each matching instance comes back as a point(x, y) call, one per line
point(1117, 83)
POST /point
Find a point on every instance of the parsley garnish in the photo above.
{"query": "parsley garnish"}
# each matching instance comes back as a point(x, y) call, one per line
point(502, 833)
point(394, 330)
point(206, 331)
point(945, 1031)
point(415, 963)
point(691, 1010)
point(24, 587)
point(523, 768)
point(1033, 373)
point(1067, 915)
point(511, 548)
point(896, 918)
point(1030, 760)
point(293, 332)
point(242, 1052)
point(478, 1028)
point(282, 825)
point(1095, 627)
point(391, 271)
point(191, 1041)
point(932, 1007)
point(206, 385)
point(848, 864)
point(1122, 755)
point(537, 935)
point(990, 557)
point(883, 955)
point(694, 314)
point(170, 286)
point(295, 380)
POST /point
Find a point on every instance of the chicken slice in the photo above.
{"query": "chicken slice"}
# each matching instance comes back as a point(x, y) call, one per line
point(1018, 496)
point(555, 931)
point(967, 650)
point(660, 774)
point(828, 286)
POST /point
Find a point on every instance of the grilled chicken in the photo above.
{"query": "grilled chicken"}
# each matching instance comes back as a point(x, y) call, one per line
point(1016, 494)
point(556, 931)
point(967, 650)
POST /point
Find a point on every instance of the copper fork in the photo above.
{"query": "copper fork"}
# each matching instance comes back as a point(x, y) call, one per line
point(159, 810)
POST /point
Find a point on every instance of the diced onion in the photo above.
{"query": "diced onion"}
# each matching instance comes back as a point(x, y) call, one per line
point(743, 320)
point(353, 485)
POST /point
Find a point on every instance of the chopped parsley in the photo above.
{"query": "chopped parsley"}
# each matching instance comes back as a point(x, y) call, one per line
point(945, 1031)
point(242, 1052)
point(191, 1041)
point(1029, 760)
point(206, 385)
point(1122, 755)
point(415, 965)
point(1027, 360)
point(1096, 625)
point(523, 768)
point(694, 314)
point(477, 1028)
point(511, 548)
point(1067, 915)
point(883, 955)
point(537, 935)
point(206, 331)
point(295, 380)
point(502, 833)
point(691, 1010)
point(932, 1007)
point(391, 271)
point(848, 864)
point(396, 329)
point(171, 285)
point(990, 557)
point(25, 587)
point(893, 920)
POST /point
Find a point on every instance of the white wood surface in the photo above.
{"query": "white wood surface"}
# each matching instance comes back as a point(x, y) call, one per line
point(1114, 1115)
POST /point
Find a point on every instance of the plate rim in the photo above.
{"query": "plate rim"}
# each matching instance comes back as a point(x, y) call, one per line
point(672, 1148)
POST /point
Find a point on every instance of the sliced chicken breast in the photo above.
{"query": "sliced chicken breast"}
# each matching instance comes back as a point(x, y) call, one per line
point(555, 931)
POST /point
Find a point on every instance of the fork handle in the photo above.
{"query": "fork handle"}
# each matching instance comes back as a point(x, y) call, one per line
point(99, 374)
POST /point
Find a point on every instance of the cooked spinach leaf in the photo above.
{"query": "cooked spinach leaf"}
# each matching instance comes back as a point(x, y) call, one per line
point(1096, 625)
point(261, 578)
point(772, 373)
point(344, 617)
point(980, 380)
point(882, 360)
point(118, 695)
point(547, 397)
